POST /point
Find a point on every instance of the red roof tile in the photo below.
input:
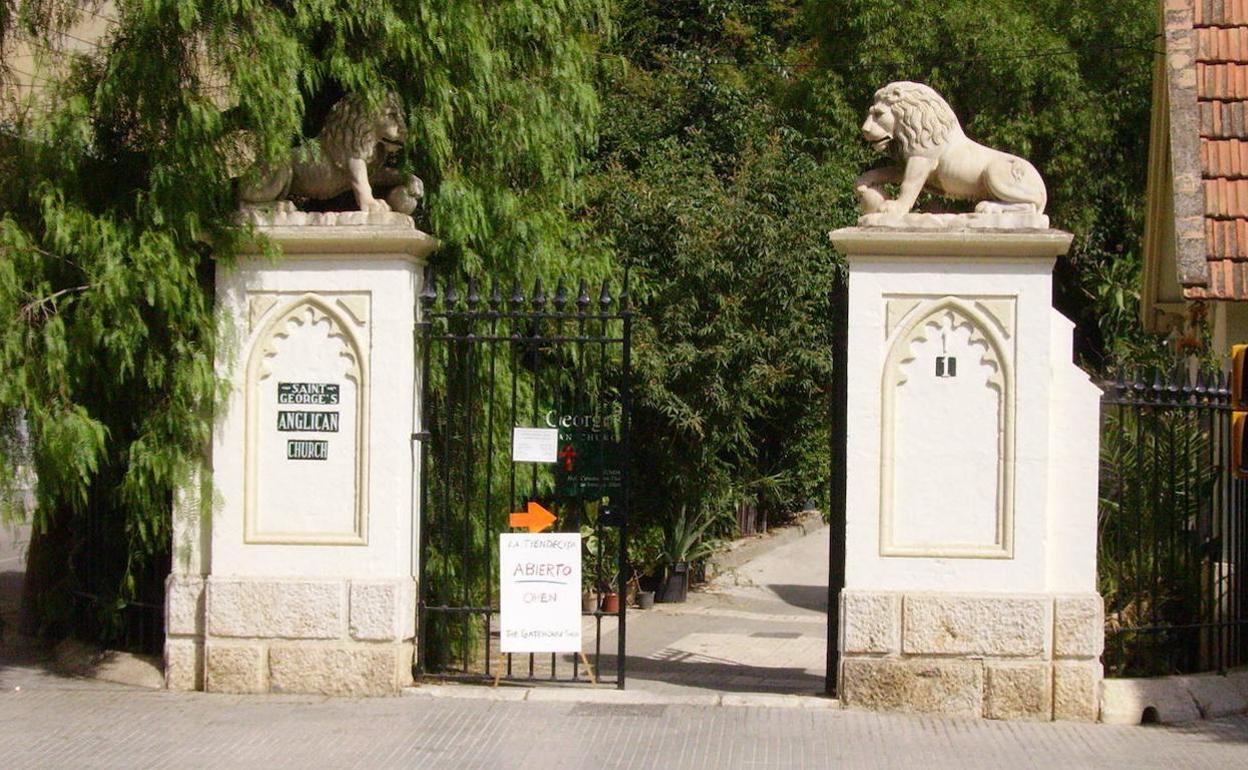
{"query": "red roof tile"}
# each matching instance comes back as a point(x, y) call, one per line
point(1222, 44)
point(1221, 31)
point(1228, 279)
point(1226, 238)
point(1220, 13)
point(1222, 80)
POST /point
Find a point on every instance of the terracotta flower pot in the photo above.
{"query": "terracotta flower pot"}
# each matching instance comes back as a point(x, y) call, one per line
point(611, 603)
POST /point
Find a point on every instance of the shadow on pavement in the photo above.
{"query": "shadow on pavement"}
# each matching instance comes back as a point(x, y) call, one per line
point(715, 676)
point(805, 596)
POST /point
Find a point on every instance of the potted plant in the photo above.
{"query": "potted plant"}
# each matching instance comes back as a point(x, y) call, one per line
point(599, 551)
point(645, 599)
point(645, 556)
point(684, 541)
point(610, 602)
point(589, 602)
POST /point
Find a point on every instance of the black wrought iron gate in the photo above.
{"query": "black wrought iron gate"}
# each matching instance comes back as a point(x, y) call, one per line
point(495, 359)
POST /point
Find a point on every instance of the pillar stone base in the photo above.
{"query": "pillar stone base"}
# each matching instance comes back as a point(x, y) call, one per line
point(330, 637)
point(1015, 656)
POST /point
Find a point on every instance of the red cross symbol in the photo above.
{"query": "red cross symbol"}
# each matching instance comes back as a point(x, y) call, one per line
point(567, 454)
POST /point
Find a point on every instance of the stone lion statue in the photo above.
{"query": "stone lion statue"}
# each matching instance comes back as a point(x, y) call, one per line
point(350, 153)
point(916, 127)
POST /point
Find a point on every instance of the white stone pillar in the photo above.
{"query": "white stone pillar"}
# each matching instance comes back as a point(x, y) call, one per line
point(970, 575)
point(299, 576)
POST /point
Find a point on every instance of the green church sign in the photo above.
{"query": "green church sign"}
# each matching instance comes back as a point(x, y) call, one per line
point(590, 460)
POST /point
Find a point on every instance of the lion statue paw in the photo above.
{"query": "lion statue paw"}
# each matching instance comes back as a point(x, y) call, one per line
point(404, 198)
point(915, 126)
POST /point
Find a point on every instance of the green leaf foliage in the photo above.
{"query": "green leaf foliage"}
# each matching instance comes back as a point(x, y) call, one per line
point(109, 243)
point(705, 147)
point(719, 205)
point(730, 141)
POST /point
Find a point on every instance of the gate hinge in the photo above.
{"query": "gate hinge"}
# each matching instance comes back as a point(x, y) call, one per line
point(424, 435)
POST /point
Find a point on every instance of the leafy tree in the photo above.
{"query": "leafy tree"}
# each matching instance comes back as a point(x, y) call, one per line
point(729, 144)
point(125, 209)
point(719, 210)
point(725, 149)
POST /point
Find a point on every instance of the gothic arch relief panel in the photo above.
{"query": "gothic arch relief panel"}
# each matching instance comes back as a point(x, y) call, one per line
point(307, 419)
point(947, 419)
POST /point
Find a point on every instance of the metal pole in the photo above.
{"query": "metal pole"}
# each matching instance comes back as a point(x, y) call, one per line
point(625, 417)
point(837, 425)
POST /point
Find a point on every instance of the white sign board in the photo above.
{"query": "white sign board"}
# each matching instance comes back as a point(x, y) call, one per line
point(534, 445)
point(540, 592)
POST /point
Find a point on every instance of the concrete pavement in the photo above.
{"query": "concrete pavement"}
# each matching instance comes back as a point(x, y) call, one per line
point(761, 627)
point(54, 722)
point(689, 710)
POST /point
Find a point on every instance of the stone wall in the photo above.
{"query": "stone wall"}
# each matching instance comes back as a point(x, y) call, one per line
point(335, 637)
point(1014, 656)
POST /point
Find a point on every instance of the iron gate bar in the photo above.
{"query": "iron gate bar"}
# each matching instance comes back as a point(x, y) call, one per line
point(1176, 542)
point(838, 423)
point(537, 342)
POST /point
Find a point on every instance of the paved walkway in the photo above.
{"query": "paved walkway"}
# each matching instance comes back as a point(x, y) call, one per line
point(53, 722)
point(759, 628)
point(714, 641)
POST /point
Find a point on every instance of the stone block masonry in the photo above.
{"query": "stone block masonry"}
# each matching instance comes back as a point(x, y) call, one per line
point(332, 637)
point(1002, 657)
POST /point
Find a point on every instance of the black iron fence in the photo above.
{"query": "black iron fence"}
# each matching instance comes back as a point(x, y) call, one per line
point(495, 359)
point(1172, 546)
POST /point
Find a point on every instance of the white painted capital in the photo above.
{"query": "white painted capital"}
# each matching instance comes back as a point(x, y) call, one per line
point(966, 243)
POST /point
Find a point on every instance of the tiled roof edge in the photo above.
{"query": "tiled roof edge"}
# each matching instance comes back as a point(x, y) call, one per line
point(1189, 193)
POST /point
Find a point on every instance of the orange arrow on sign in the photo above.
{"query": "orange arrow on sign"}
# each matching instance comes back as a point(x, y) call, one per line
point(536, 518)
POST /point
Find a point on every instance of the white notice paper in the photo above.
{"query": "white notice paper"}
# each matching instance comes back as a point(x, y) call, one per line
point(540, 592)
point(534, 445)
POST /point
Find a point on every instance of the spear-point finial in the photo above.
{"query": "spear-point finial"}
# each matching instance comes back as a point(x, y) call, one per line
point(582, 298)
point(496, 297)
point(429, 291)
point(539, 295)
point(561, 296)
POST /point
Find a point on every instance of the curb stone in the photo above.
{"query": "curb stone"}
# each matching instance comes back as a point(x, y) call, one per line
point(1174, 699)
point(588, 694)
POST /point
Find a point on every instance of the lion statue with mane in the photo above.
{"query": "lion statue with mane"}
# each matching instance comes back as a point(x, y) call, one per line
point(350, 153)
point(917, 129)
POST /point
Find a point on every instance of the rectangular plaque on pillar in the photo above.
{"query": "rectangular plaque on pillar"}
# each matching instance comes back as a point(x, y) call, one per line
point(947, 412)
point(307, 420)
